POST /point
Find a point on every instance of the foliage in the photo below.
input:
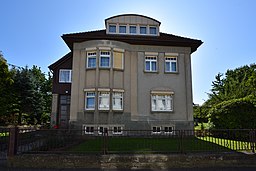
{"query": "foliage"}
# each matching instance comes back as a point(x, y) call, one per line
point(234, 114)
point(27, 97)
point(231, 103)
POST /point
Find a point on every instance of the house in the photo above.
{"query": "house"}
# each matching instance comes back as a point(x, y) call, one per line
point(126, 76)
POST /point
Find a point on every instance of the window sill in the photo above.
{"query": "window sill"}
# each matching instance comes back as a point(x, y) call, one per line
point(162, 111)
point(171, 72)
point(104, 68)
point(117, 69)
point(89, 110)
point(151, 72)
point(90, 68)
point(65, 82)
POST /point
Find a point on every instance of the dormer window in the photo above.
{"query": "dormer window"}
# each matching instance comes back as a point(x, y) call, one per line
point(152, 30)
point(122, 29)
point(143, 30)
point(112, 29)
point(133, 30)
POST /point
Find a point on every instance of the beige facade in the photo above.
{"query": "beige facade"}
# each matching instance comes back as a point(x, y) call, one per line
point(131, 76)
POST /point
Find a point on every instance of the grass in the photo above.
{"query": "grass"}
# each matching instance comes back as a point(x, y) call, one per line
point(147, 145)
point(230, 144)
point(4, 134)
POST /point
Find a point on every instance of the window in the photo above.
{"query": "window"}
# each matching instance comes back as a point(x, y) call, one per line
point(152, 30)
point(89, 130)
point(161, 102)
point(117, 130)
point(170, 64)
point(133, 30)
point(91, 60)
point(118, 60)
point(156, 130)
point(117, 101)
point(65, 76)
point(103, 100)
point(168, 129)
point(112, 28)
point(90, 101)
point(105, 59)
point(101, 130)
point(150, 63)
point(122, 29)
point(143, 30)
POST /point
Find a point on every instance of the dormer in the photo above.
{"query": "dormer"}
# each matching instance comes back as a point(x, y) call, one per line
point(132, 24)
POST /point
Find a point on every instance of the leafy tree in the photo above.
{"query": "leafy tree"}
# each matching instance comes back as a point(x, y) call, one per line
point(232, 99)
point(5, 83)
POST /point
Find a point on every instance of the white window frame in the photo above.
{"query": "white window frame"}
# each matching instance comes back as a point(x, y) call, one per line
point(143, 27)
point(87, 95)
point(112, 25)
point(170, 60)
point(101, 95)
point(156, 130)
point(103, 129)
point(150, 30)
point(91, 55)
point(150, 59)
point(114, 96)
point(69, 80)
point(105, 56)
point(130, 29)
point(125, 29)
point(91, 130)
point(168, 132)
point(155, 100)
point(119, 130)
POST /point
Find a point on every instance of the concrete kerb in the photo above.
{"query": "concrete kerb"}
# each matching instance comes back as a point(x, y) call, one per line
point(137, 161)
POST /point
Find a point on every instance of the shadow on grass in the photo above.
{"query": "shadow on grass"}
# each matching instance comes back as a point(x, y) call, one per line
point(130, 145)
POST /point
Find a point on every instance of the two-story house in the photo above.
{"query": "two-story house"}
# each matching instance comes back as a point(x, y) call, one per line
point(126, 76)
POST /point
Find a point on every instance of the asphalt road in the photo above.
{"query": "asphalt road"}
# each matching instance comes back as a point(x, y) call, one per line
point(174, 169)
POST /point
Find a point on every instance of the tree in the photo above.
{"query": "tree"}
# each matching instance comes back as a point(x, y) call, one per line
point(5, 83)
point(233, 96)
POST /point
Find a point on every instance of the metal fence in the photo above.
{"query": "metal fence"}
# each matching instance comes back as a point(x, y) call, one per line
point(131, 141)
point(136, 141)
point(4, 142)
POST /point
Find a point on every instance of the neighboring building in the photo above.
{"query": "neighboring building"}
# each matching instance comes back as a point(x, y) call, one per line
point(127, 76)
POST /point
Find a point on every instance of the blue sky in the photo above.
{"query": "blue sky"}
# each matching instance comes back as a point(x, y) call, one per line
point(30, 30)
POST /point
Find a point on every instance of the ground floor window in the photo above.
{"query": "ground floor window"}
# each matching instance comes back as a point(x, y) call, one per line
point(168, 129)
point(161, 102)
point(117, 130)
point(156, 130)
point(89, 130)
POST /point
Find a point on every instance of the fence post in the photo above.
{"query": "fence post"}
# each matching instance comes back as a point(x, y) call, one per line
point(253, 140)
point(105, 136)
point(12, 148)
point(181, 142)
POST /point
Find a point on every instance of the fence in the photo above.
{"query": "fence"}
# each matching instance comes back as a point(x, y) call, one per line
point(20, 141)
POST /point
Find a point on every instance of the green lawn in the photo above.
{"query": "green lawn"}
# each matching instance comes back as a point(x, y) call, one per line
point(147, 145)
point(230, 144)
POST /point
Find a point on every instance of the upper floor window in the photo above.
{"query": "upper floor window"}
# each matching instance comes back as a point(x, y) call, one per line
point(105, 59)
point(133, 30)
point(170, 64)
point(65, 75)
point(151, 63)
point(90, 101)
point(103, 100)
point(118, 58)
point(91, 60)
point(117, 101)
point(112, 28)
point(152, 30)
point(161, 102)
point(143, 30)
point(122, 29)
